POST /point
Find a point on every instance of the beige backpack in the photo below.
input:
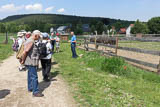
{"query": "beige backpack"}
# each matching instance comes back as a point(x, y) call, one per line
point(20, 52)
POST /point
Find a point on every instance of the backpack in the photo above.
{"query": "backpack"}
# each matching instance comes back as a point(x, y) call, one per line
point(20, 52)
point(42, 49)
point(15, 46)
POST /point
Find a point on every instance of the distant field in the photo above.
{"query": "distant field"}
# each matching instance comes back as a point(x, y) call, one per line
point(155, 46)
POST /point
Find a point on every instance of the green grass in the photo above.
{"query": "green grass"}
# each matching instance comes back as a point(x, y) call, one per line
point(93, 87)
point(155, 46)
point(5, 49)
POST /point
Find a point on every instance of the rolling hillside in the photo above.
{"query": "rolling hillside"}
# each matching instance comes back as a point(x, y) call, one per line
point(59, 19)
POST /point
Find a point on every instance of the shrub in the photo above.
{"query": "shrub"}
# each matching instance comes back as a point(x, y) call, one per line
point(114, 65)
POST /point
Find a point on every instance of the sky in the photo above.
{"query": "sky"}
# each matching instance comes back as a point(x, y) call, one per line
point(118, 9)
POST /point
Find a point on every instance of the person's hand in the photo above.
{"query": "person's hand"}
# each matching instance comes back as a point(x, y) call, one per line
point(22, 62)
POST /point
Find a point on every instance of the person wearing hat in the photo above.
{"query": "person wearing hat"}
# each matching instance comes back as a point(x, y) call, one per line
point(28, 35)
point(30, 59)
point(57, 39)
point(46, 61)
point(20, 43)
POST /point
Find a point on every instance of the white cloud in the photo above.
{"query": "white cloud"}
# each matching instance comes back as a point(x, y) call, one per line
point(10, 8)
point(49, 9)
point(61, 10)
point(34, 7)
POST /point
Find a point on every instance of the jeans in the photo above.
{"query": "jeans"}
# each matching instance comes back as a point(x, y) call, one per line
point(73, 49)
point(46, 68)
point(33, 79)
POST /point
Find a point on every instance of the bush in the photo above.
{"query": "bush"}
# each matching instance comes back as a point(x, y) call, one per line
point(114, 65)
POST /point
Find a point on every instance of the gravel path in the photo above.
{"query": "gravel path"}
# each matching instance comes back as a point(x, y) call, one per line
point(13, 88)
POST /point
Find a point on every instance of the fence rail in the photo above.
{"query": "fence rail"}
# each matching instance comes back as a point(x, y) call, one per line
point(86, 42)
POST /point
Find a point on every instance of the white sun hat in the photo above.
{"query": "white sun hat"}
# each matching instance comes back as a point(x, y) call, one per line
point(37, 32)
point(19, 34)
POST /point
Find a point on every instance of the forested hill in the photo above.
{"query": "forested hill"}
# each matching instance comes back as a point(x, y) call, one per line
point(60, 19)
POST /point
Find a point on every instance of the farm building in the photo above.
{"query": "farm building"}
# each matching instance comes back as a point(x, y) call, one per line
point(85, 28)
point(63, 29)
point(128, 31)
point(122, 31)
point(65, 37)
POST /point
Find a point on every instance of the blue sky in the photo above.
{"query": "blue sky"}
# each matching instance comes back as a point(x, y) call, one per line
point(119, 9)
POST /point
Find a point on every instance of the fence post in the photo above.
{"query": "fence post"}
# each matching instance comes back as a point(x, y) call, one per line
point(158, 68)
point(95, 40)
point(6, 39)
point(116, 45)
point(85, 44)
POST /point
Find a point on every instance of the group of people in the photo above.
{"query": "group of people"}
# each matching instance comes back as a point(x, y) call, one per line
point(37, 47)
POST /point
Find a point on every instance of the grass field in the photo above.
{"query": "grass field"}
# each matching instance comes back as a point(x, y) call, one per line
point(93, 87)
point(154, 46)
point(5, 49)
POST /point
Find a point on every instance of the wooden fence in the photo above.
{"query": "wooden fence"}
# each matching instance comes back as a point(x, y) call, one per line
point(86, 41)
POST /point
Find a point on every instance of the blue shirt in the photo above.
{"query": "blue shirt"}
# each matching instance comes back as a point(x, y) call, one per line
point(73, 39)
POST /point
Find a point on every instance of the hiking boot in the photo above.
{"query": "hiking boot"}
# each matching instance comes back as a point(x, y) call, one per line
point(38, 95)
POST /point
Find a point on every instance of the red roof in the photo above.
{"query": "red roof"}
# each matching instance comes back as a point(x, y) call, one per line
point(131, 25)
point(123, 29)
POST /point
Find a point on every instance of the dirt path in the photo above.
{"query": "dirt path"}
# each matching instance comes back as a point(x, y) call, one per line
point(13, 89)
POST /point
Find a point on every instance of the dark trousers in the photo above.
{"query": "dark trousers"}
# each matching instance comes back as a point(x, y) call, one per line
point(32, 79)
point(46, 68)
point(73, 49)
point(53, 44)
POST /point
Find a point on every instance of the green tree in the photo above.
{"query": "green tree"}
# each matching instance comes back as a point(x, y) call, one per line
point(118, 26)
point(139, 27)
point(79, 29)
point(47, 27)
point(100, 27)
point(2, 27)
point(93, 29)
point(154, 25)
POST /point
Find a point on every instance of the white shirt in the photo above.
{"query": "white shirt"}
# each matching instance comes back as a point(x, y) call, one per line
point(49, 49)
point(20, 41)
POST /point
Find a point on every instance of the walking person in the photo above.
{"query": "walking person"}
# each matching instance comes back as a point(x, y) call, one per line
point(46, 61)
point(52, 41)
point(57, 39)
point(20, 41)
point(31, 59)
point(73, 45)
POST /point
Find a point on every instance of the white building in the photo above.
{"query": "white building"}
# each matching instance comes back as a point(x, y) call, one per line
point(128, 31)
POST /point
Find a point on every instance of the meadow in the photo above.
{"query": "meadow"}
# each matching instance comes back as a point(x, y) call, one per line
point(97, 81)
point(5, 49)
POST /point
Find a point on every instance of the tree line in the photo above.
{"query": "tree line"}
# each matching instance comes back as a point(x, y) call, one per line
point(150, 27)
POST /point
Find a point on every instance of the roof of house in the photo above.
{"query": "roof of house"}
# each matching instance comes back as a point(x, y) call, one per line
point(122, 30)
point(62, 28)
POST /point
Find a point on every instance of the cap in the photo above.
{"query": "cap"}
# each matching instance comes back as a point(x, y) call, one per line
point(57, 34)
point(45, 35)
